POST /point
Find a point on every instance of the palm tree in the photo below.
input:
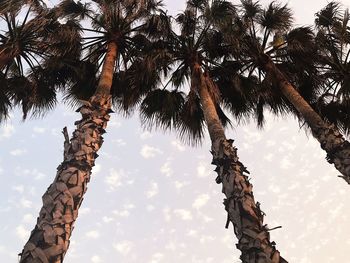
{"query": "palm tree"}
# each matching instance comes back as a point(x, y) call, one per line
point(116, 24)
point(285, 59)
point(24, 44)
point(332, 36)
point(19, 44)
point(191, 53)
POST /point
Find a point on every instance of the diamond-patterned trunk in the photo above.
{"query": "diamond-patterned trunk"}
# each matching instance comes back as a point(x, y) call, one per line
point(243, 212)
point(49, 241)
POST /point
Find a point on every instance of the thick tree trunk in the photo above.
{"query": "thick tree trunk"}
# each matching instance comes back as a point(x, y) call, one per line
point(49, 241)
point(331, 140)
point(245, 215)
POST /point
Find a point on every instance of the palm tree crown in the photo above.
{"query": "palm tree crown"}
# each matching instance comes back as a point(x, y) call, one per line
point(24, 47)
point(194, 47)
point(333, 38)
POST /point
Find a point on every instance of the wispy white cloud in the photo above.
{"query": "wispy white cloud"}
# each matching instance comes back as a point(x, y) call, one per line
point(25, 203)
point(200, 201)
point(121, 213)
point(18, 152)
point(107, 219)
point(166, 169)
point(183, 214)
point(96, 169)
point(156, 258)
point(22, 233)
point(119, 142)
point(153, 190)
point(28, 218)
point(96, 259)
point(145, 135)
point(84, 210)
point(252, 136)
point(202, 170)
point(148, 152)
point(123, 247)
point(192, 233)
point(114, 123)
point(114, 180)
point(40, 130)
point(206, 238)
point(6, 131)
point(167, 214)
point(286, 163)
point(178, 145)
point(125, 211)
point(93, 234)
point(181, 184)
point(18, 188)
point(150, 208)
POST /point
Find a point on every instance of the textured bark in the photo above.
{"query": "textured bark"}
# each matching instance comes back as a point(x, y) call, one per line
point(329, 137)
point(49, 241)
point(106, 78)
point(245, 215)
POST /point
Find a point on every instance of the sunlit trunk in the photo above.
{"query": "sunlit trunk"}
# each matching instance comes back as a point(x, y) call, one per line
point(331, 140)
point(49, 241)
point(243, 212)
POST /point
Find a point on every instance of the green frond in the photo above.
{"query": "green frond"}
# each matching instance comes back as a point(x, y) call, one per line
point(157, 26)
point(328, 15)
point(130, 86)
point(301, 47)
point(269, 97)
point(301, 39)
point(5, 103)
point(251, 10)
point(44, 98)
point(73, 9)
point(335, 112)
point(66, 40)
point(238, 94)
point(161, 108)
point(180, 76)
point(191, 123)
point(13, 6)
point(276, 17)
point(21, 92)
point(82, 82)
point(225, 121)
point(221, 12)
point(197, 4)
point(187, 22)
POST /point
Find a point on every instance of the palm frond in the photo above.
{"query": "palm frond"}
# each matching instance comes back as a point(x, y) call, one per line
point(328, 15)
point(276, 17)
point(251, 10)
point(191, 123)
point(72, 9)
point(161, 108)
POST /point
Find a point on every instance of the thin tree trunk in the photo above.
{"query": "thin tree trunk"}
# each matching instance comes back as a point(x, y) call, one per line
point(331, 140)
point(49, 241)
point(245, 215)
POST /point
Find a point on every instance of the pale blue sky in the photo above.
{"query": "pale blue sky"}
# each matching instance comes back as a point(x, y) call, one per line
point(152, 199)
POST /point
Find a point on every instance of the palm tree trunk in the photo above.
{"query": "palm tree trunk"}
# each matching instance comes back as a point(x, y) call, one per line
point(331, 140)
point(49, 241)
point(245, 215)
